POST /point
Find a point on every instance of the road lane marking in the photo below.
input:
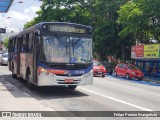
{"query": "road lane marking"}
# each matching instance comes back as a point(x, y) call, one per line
point(136, 89)
point(27, 94)
point(117, 100)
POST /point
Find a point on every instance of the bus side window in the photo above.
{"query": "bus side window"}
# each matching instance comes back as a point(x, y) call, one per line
point(13, 45)
point(23, 44)
point(30, 42)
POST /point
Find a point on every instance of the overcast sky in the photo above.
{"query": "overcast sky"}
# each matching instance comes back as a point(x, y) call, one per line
point(20, 13)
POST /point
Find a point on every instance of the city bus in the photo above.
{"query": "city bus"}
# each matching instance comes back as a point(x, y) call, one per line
point(52, 54)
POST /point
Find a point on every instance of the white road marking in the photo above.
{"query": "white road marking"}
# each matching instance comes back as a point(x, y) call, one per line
point(138, 90)
point(49, 108)
point(26, 94)
point(117, 100)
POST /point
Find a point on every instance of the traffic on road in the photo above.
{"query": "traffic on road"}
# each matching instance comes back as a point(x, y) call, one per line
point(108, 93)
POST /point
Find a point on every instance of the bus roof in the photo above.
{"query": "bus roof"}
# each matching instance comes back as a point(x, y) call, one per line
point(38, 25)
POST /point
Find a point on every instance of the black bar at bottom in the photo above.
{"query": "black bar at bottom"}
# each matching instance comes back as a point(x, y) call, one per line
point(79, 113)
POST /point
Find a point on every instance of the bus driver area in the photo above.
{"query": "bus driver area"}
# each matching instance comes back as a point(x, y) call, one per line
point(58, 49)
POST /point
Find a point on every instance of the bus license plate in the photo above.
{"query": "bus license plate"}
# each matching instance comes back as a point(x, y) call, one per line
point(68, 80)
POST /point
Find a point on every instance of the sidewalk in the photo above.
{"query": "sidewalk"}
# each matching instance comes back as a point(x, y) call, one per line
point(12, 99)
point(152, 79)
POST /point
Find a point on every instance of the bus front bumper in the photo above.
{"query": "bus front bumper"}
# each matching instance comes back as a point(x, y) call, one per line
point(54, 80)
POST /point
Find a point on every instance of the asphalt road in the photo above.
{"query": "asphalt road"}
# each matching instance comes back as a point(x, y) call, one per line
point(106, 94)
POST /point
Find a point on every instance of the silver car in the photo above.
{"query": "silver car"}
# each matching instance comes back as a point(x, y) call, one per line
point(4, 59)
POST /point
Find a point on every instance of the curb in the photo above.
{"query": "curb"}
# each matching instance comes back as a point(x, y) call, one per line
point(151, 80)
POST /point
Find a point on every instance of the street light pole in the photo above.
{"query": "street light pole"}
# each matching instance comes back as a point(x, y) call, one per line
point(5, 27)
point(5, 19)
point(20, 1)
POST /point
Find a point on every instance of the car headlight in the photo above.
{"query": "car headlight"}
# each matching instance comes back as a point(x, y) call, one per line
point(133, 73)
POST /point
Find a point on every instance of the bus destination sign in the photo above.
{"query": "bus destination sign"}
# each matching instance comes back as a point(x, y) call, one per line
point(56, 28)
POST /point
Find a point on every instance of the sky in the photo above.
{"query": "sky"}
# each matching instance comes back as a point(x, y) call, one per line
point(19, 14)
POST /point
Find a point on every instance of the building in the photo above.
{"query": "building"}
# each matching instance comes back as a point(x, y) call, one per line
point(147, 58)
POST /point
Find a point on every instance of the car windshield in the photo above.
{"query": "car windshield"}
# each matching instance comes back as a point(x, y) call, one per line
point(66, 49)
point(132, 67)
point(5, 55)
point(96, 63)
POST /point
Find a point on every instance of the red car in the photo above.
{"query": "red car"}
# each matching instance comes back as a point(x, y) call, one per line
point(98, 69)
point(128, 71)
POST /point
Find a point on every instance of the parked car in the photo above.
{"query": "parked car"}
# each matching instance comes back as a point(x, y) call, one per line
point(109, 67)
point(98, 69)
point(128, 71)
point(4, 59)
point(1, 53)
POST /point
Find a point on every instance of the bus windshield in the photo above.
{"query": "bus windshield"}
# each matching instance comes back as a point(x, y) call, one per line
point(67, 49)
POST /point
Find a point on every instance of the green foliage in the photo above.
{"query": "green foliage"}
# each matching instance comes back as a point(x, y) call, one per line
point(29, 24)
point(5, 42)
point(117, 24)
point(140, 18)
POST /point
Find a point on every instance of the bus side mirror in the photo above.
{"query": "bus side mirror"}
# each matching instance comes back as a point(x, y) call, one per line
point(36, 33)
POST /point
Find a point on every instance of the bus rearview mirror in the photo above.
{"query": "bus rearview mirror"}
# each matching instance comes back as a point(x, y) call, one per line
point(36, 33)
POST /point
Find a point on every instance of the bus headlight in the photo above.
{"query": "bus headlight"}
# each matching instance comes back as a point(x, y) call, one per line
point(41, 70)
point(44, 71)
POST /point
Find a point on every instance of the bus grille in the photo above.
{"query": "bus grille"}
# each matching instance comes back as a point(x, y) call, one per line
point(63, 82)
point(68, 75)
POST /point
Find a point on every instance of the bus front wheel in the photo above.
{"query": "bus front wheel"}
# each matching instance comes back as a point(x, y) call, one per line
point(72, 87)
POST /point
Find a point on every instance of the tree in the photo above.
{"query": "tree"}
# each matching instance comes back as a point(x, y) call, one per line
point(140, 18)
point(100, 14)
point(62, 11)
point(5, 42)
point(107, 39)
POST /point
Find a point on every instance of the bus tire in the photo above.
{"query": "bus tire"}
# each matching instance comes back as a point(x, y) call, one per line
point(30, 85)
point(72, 87)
